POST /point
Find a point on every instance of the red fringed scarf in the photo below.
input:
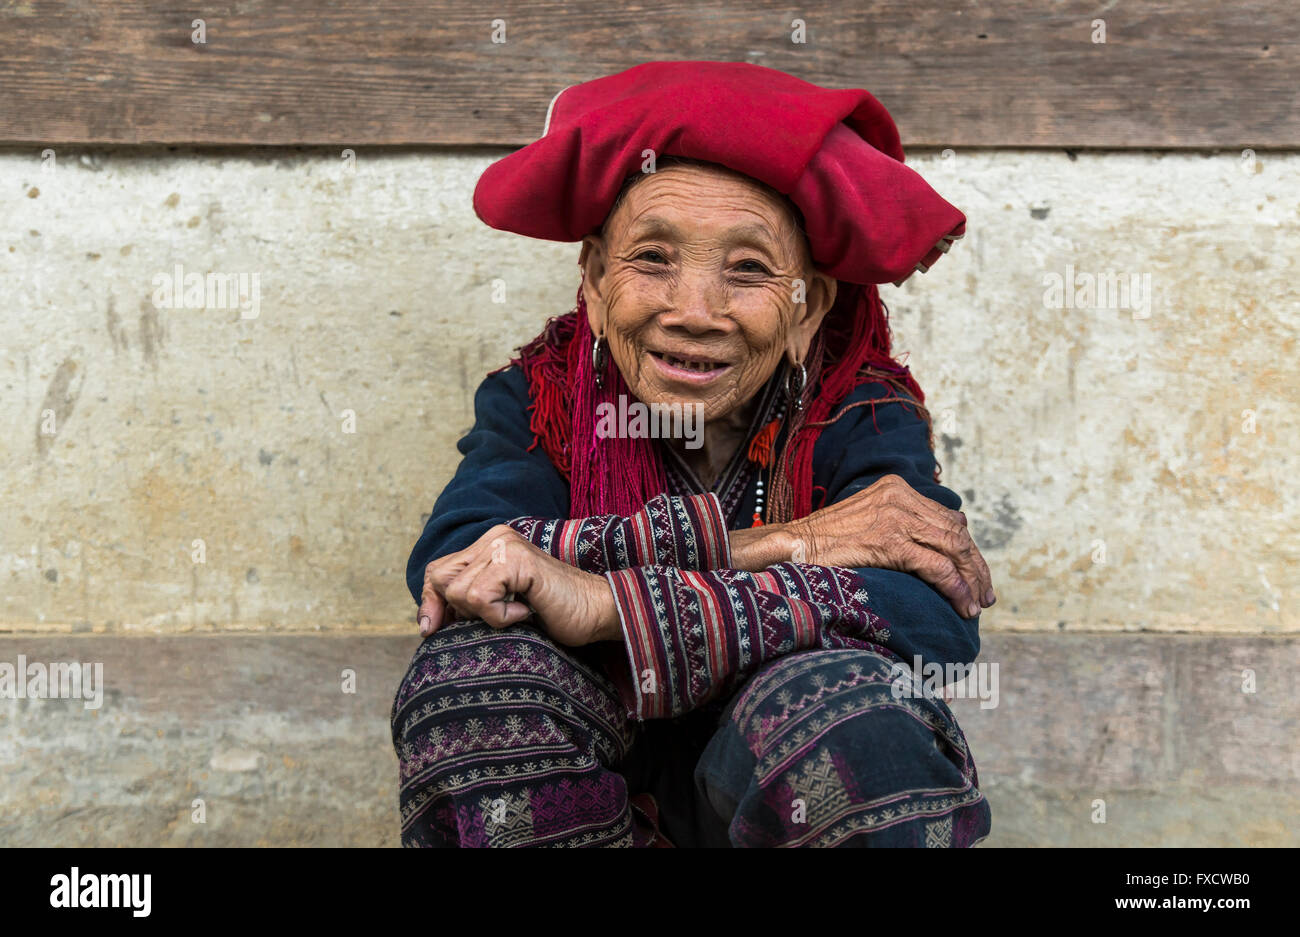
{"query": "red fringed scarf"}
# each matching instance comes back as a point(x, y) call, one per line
point(618, 475)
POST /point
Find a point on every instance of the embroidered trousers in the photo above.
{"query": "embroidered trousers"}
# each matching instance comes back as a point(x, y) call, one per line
point(504, 739)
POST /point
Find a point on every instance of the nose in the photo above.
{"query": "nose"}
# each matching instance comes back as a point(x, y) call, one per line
point(697, 305)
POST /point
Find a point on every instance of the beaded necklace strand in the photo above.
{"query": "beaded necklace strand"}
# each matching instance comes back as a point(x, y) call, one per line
point(760, 452)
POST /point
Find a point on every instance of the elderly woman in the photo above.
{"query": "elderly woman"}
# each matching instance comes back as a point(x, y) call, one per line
point(636, 638)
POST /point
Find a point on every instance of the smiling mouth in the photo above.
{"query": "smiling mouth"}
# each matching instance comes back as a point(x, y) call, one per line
point(692, 363)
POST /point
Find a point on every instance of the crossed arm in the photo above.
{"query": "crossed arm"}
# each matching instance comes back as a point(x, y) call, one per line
point(698, 608)
point(665, 584)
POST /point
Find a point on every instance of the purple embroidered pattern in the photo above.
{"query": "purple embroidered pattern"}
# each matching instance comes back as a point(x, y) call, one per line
point(503, 740)
point(813, 723)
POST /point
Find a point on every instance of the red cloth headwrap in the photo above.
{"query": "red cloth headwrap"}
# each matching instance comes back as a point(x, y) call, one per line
point(835, 153)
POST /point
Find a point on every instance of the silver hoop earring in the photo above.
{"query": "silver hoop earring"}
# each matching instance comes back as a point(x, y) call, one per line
point(795, 383)
point(598, 362)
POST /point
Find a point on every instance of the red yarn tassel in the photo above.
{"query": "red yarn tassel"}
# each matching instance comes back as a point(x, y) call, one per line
point(760, 449)
point(606, 476)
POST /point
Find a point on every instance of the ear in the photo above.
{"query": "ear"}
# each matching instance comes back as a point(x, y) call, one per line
point(592, 261)
point(819, 296)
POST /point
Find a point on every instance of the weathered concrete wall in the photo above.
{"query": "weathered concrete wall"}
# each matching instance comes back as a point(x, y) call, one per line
point(1158, 440)
point(1111, 469)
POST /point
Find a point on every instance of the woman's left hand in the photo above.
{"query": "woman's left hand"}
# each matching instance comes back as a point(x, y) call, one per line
point(503, 579)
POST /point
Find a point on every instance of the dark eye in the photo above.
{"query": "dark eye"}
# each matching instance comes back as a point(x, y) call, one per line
point(650, 255)
point(751, 266)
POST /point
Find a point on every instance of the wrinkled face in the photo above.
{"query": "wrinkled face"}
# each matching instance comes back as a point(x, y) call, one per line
point(702, 283)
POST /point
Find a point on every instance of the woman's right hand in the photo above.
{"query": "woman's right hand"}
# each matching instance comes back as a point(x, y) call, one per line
point(891, 526)
point(503, 579)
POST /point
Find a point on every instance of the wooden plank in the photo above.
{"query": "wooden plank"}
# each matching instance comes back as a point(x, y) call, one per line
point(1171, 73)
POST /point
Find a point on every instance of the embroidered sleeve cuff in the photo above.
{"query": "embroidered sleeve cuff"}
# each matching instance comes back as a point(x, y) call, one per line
point(690, 635)
point(646, 654)
point(688, 531)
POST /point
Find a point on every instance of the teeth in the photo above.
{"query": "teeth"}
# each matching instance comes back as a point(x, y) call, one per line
point(700, 366)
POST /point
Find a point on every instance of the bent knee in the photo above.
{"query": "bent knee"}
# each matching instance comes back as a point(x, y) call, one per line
point(850, 702)
point(500, 677)
point(472, 657)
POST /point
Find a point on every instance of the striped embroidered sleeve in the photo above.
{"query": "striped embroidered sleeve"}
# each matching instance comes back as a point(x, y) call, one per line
point(687, 532)
point(690, 636)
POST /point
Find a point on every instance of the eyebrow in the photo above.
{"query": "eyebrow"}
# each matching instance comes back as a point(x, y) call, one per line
point(753, 235)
